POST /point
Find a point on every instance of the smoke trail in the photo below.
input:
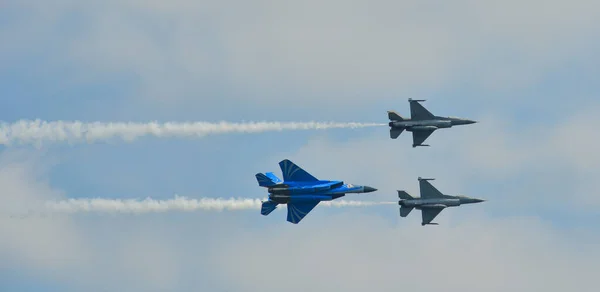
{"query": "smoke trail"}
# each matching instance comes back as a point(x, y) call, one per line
point(149, 205)
point(135, 206)
point(37, 131)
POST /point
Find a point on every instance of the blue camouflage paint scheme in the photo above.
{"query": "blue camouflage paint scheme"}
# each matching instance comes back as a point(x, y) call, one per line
point(301, 191)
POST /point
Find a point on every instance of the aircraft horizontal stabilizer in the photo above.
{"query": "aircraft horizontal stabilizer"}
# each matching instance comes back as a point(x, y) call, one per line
point(404, 195)
point(395, 132)
point(404, 211)
point(394, 116)
point(273, 177)
point(268, 207)
point(267, 180)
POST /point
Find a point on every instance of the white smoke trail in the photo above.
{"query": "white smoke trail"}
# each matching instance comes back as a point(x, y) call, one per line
point(148, 205)
point(37, 131)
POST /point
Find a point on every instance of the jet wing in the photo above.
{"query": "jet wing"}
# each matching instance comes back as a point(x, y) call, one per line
point(420, 136)
point(429, 214)
point(428, 191)
point(293, 172)
point(418, 112)
point(297, 211)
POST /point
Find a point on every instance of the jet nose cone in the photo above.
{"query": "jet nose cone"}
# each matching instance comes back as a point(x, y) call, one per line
point(460, 121)
point(467, 200)
point(369, 189)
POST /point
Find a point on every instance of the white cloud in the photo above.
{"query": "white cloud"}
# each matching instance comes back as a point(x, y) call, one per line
point(333, 49)
point(67, 248)
point(358, 253)
point(40, 243)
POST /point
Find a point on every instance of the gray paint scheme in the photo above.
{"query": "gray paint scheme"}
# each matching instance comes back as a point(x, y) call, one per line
point(422, 123)
point(431, 202)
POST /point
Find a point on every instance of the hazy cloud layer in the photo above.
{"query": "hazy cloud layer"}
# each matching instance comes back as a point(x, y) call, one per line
point(269, 51)
point(358, 253)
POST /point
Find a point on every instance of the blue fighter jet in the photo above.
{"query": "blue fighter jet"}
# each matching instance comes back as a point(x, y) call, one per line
point(301, 191)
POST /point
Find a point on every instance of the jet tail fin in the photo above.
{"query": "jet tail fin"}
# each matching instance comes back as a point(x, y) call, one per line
point(268, 179)
point(268, 207)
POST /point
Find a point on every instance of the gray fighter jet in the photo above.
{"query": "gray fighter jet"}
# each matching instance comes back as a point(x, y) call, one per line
point(431, 202)
point(422, 123)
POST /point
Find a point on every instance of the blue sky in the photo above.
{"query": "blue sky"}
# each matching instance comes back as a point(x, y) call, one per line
point(528, 71)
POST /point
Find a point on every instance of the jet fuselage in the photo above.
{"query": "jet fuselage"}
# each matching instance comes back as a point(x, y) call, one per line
point(433, 124)
point(418, 203)
point(451, 201)
point(431, 202)
point(422, 123)
point(294, 192)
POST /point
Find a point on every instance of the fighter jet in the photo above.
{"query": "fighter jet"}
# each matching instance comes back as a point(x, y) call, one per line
point(301, 191)
point(422, 123)
point(431, 202)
